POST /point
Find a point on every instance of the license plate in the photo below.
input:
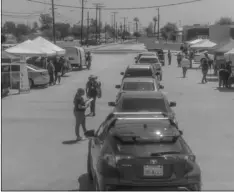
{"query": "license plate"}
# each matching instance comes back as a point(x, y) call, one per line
point(153, 170)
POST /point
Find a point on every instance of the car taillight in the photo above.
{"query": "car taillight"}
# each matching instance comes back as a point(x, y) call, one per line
point(112, 160)
point(190, 158)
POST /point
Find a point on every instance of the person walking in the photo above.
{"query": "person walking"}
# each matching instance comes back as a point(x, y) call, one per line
point(58, 69)
point(205, 67)
point(51, 69)
point(222, 74)
point(80, 107)
point(185, 65)
point(179, 58)
point(191, 56)
point(169, 57)
point(92, 92)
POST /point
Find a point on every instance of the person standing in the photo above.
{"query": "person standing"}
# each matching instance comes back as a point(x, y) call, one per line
point(185, 65)
point(205, 67)
point(51, 69)
point(58, 69)
point(179, 58)
point(92, 92)
point(169, 57)
point(80, 107)
point(191, 56)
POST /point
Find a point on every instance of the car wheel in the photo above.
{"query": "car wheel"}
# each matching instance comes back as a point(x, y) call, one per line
point(195, 187)
point(89, 169)
point(31, 84)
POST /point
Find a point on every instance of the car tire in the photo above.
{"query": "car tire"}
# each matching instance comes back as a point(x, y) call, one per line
point(31, 83)
point(89, 168)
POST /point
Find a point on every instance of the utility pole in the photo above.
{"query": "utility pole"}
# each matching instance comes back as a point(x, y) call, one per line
point(82, 22)
point(100, 26)
point(158, 22)
point(53, 22)
point(87, 39)
point(97, 9)
point(105, 33)
point(115, 24)
point(124, 27)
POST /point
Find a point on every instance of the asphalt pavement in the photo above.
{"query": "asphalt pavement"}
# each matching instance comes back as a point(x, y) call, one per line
point(38, 148)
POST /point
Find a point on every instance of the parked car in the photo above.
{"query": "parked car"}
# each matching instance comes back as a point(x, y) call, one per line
point(147, 53)
point(139, 71)
point(141, 153)
point(138, 84)
point(160, 55)
point(199, 56)
point(36, 76)
point(147, 101)
point(76, 56)
point(154, 61)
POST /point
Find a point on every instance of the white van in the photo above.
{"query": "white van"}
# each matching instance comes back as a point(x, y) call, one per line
point(76, 56)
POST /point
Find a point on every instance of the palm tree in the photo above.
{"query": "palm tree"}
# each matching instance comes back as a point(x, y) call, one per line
point(155, 19)
point(136, 20)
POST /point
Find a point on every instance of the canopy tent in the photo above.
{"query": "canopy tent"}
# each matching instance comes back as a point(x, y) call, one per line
point(9, 58)
point(224, 47)
point(229, 56)
point(30, 48)
point(194, 41)
point(205, 44)
point(39, 41)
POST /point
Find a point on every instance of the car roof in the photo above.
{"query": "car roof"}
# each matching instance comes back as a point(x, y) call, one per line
point(149, 56)
point(148, 53)
point(141, 127)
point(137, 79)
point(143, 94)
point(139, 66)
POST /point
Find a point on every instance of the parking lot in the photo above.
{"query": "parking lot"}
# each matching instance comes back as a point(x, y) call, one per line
point(38, 128)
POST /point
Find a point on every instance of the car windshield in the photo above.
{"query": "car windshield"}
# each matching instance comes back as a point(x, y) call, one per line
point(148, 60)
point(71, 50)
point(144, 104)
point(139, 73)
point(34, 67)
point(138, 86)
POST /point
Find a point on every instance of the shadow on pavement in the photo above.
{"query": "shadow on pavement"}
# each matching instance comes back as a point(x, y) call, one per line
point(65, 76)
point(225, 90)
point(70, 142)
point(85, 184)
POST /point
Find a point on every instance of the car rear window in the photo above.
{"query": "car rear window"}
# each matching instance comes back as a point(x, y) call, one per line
point(71, 50)
point(138, 86)
point(148, 60)
point(144, 104)
point(138, 73)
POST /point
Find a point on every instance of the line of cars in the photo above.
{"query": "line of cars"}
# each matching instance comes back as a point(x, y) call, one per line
point(139, 145)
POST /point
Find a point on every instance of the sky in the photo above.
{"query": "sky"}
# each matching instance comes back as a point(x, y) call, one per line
point(204, 12)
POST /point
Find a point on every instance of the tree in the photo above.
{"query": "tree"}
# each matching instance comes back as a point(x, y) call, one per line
point(46, 21)
point(136, 20)
point(225, 21)
point(63, 28)
point(155, 19)
point(149, 29)
point(10, 27)
point(22, 29)
point(169, 31)
point(3, 38)
point(35, 27)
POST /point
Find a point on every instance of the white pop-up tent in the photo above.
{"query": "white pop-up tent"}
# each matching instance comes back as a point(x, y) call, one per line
point(229, 56)
point(194, 41)
point(29, 48)
point(205, 44)
point(40, 41)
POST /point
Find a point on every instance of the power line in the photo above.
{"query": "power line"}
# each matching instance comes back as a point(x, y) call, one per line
point(121, 8)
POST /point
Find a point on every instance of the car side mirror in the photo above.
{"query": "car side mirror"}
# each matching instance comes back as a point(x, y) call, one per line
point(111, 104)
point(122, 73)
point(161, 86)
point(117, 86)
point(90, 133)
point(181, 132)
point(172, 104)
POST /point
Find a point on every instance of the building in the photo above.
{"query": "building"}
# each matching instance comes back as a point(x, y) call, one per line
point(179, 35)
point(195, 31)
point(221, 33)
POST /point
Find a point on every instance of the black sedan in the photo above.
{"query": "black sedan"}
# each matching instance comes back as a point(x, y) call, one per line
point(141, 153)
